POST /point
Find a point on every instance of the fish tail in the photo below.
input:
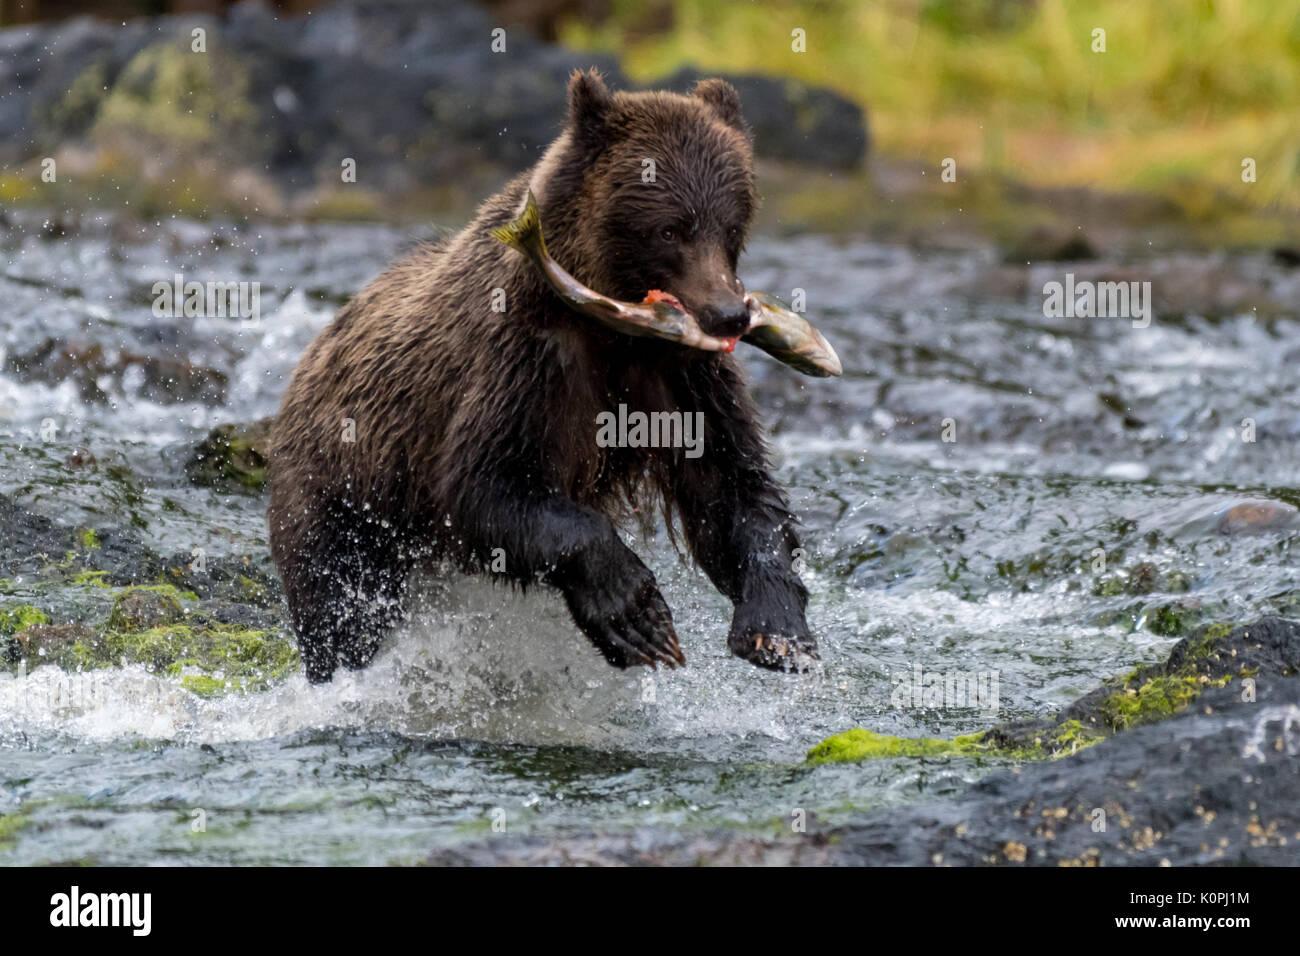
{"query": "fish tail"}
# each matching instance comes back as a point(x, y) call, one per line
point(524, 233)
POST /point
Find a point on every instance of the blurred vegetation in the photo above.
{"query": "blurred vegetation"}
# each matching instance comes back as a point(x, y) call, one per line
point(1185, 90)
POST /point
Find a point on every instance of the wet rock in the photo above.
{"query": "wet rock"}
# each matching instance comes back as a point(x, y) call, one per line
point(32, 545)
point(90, 366)
point(218, 624)
point(209, 657)
point(1213, 655)
point(80, 458)
point(233, 457)
point(1256, 517)
point(232, 580)
point(139, 609)
point(48, 641)
point(209, 660)
point(168, 380)
point(792, 121)
point(1214, 784)
point(1141, 579)
point(648, 847)
point(1050, 244)
point(1270, 646)
point(24, 535)
point(1288, 256)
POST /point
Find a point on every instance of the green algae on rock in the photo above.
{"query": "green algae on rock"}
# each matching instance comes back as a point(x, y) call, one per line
point(1173, 620)
point(21, 617)
point(860, 744)
point(1046, 742)
point(1152, 700)
point(210, 110)
point(233, 457)
point(208, 660)
point(149, 626)
point(1212, 656)
point(140, 608)
point(12, 823)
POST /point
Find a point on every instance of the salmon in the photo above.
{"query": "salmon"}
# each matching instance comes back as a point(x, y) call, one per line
point(774, 328)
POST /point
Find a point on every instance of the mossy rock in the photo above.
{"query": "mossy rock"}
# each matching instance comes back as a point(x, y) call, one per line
point(207, 660)
point(21, 617)
point(142, 608)
point(1174, 620)
point(1033, 740)
point(1152, 700)
point(11, 824)
point(47, 642)
point(1212, 656)
point(191, 101)
point(233, 457)
point(74, 114)
point(860, 744)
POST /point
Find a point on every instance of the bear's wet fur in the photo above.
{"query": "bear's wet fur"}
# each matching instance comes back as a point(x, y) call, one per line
point(427, 425)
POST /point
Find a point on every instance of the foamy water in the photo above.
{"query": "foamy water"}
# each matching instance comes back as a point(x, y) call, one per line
point(971, 556)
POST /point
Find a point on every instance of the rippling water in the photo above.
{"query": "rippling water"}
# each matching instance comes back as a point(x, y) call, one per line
point(975, 555)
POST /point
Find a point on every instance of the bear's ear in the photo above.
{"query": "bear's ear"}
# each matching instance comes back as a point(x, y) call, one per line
point(589, 102)
point(723, 100)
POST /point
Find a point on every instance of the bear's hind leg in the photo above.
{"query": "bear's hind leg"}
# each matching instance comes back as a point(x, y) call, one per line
point(343, 597)
point(375, 600)
point(314, 618)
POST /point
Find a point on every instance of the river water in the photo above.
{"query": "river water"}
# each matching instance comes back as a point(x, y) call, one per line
point(1088, 456)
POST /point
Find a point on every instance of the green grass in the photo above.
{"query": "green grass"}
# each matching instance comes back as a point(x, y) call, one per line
point(1185, 90)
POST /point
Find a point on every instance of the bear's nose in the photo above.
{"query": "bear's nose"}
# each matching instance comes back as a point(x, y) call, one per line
point(728, 319)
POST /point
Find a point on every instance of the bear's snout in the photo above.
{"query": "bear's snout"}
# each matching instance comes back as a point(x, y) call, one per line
point(727, 318)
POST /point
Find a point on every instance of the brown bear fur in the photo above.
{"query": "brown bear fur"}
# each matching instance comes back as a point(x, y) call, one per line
point(475, 429)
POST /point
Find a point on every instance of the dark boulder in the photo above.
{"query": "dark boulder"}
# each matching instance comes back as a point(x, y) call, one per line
point(412, 92)
point(792, 121)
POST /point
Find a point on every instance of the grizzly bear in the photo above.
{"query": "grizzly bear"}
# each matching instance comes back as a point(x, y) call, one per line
point(449, 413)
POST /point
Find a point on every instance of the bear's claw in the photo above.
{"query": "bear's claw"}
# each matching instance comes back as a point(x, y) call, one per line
point(650, 641)
point(776, 652)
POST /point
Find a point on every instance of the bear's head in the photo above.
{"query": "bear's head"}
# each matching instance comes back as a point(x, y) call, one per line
point(650, 191)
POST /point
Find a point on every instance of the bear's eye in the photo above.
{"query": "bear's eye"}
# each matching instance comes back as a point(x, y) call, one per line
point(733, 232)
point(668, 234)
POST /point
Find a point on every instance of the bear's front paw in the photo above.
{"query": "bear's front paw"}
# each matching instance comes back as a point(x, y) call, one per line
point(619, 608)
point(761, 640)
